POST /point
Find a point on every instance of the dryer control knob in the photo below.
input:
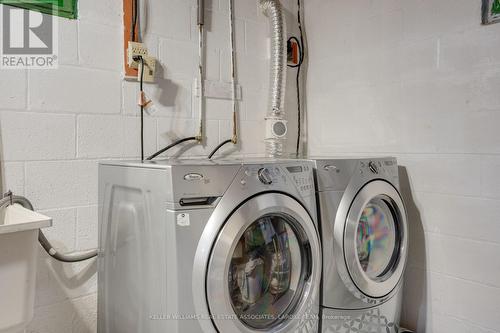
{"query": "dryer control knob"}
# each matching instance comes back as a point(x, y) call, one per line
point(265, 176)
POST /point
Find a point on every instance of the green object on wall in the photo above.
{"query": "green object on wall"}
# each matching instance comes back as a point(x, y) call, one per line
point(63, 8)
point(495, 8)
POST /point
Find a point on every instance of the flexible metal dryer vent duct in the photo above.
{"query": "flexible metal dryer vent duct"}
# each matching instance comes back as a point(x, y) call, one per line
point(276, 124)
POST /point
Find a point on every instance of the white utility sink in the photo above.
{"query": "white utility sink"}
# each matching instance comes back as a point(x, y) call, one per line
point(16, 218)
point(18, 257)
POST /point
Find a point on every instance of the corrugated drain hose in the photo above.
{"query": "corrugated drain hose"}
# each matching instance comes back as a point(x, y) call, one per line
point(76, 257)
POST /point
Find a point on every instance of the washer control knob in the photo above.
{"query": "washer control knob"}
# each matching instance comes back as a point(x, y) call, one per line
point(373, 167)
point(265, 176)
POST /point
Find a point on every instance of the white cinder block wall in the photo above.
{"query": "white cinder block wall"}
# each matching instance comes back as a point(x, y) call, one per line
point(420, 79)
point(56, 124)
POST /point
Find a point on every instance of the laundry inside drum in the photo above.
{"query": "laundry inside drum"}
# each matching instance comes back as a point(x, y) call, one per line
point(265, 272)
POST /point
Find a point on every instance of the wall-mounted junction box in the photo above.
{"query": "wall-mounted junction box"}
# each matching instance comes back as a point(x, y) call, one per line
point(133, 49)
point(293, 53)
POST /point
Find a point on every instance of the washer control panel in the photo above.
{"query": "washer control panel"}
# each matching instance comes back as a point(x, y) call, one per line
point(382, 168)
point(300, 174)
point(373, 167)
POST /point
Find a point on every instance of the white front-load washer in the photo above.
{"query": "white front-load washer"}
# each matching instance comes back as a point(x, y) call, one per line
point(364, 232)
point(199, 246)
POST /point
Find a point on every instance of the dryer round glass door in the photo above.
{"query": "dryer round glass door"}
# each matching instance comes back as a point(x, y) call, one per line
point(377, 238)
point(375, 241)
point(263, 266)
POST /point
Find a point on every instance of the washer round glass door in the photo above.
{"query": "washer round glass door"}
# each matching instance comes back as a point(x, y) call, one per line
point(262, 266)
point(375, 239)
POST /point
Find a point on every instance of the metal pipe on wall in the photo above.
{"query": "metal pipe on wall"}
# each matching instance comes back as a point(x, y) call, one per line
point(201, 78)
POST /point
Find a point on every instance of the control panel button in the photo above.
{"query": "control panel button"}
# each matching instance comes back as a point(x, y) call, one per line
point(265, 176)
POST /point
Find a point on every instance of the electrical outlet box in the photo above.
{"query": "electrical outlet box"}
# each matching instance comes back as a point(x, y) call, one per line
point(135, 49)
point(293, 54)
point(149, 69)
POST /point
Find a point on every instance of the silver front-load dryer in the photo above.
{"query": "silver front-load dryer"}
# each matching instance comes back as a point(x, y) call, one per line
point(201, 246)
point(364, 235)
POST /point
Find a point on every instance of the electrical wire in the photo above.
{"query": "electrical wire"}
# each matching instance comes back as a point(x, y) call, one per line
point(133, 38)
point(302, 55)
point(301, 46)
point(192, 138)
point(134, 20)
point(141, 88)
point(44, 242)
point(201, 78)
point(201, 49)
point(141, 85)
point(223, 143)
point(299, 112)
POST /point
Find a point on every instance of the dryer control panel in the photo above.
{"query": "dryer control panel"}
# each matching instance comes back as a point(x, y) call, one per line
point(336, 174)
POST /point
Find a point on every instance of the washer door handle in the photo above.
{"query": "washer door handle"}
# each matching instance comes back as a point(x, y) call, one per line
point(309, 257)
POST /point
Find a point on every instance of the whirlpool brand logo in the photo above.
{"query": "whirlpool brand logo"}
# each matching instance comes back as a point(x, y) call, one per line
point(29, 38)
point(193, 177)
